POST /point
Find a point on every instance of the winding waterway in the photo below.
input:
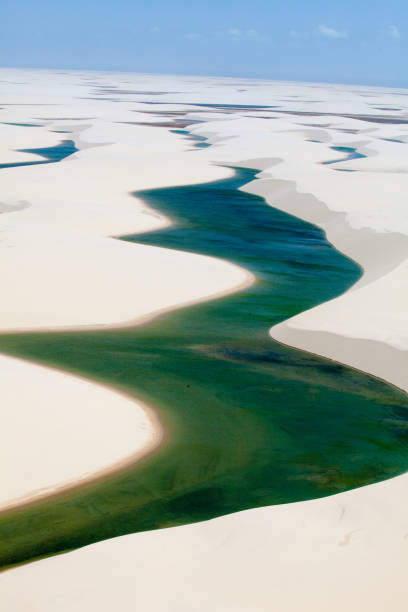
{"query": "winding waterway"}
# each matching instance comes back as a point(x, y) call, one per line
point(249, 422)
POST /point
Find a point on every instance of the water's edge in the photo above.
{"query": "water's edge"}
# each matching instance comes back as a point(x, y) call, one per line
point(250, 422)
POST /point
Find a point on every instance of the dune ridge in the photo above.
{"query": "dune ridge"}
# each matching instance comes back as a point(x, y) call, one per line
point(344, 552)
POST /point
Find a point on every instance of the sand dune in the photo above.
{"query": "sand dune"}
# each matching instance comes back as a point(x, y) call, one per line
point(58, 429)
point(344, 552)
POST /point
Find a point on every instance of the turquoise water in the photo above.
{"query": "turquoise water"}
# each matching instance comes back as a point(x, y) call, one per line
point(394, 140)
point(51, 154)
point(200, 142)
point(249, 422)
point(22, 124)
point(351, 153)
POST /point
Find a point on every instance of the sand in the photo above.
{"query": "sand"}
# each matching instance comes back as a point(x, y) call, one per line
point(57, 430)
point(348, 551)
point(75, 280)
point(363, 215)
point(62, 269)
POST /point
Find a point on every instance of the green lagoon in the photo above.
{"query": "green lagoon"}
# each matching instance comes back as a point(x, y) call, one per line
point(249, 422)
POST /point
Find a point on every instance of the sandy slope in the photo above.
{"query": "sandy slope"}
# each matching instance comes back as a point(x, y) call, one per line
point(75, 280)
point(56, 429)
point(347, 552)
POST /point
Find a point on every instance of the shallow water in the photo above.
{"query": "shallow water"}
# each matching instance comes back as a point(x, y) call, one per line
point(351, 153)
point(51, 154)
point(250, 422)
point(22, 124)
point(199, 142)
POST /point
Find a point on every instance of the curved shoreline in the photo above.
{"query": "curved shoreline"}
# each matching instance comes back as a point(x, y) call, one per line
point(342, 552)
point(141, 320)
point(38, 495)
point(273, 218)
point(152, 415)
point(365, 246)
point(128, 460)
point(388, 362)
point(55, 490)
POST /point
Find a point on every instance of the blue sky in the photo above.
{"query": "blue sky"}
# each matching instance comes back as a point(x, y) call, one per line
point(359, 41)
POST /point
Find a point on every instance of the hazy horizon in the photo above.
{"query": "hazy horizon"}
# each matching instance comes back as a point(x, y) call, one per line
point(344, 44)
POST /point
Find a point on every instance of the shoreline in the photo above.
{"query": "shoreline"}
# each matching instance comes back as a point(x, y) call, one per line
point(359, 244)
point(257, 187)
point(152, 414)
point(128, 461)
point(369, 355)
point(160, 221)
point(333, 549)
point(157, 439)
point(143, 319)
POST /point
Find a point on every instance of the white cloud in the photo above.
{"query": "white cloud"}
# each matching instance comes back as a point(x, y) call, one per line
point(394, 32)
point(328, 32)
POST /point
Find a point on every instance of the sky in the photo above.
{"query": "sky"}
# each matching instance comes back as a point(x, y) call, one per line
point(348, 41)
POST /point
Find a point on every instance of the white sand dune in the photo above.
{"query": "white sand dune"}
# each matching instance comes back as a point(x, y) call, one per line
point(72, 280)
point(56, 430)
point(91, 191)
point(346, 552)
point(14, 138)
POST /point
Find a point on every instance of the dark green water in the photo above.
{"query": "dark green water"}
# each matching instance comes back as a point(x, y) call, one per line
point(250, 422)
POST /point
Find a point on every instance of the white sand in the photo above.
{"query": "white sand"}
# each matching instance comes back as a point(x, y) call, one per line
point(17, 137)
point(74, 280)
point(347, 552)
point(91, 190)
point(57, 429)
